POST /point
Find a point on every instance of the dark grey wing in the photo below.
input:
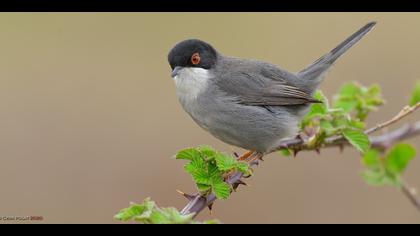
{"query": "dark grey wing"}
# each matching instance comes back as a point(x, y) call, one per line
point(261, 89)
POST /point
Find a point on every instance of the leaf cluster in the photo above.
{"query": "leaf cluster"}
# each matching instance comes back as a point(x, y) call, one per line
point(210, 168)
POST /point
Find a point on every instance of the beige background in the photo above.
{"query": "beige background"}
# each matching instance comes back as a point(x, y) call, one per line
point(89, 118)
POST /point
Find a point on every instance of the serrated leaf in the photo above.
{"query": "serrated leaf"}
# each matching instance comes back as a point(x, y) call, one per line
point(358, 139)
point(346, 105)
point(243, 167)
point(207, 151)
point(135, 211)
point(357, 124)
point(318, 109)
point(157, 217)
point(203, 188)
point(225, 162)
point(213, 170)
point(399, 157)
point(173, 216)
point(149, 213)
point(415, 97)
point(221, 189)
point(188, 154)
point(197, 168)
point(129, 213)
point(326, 125)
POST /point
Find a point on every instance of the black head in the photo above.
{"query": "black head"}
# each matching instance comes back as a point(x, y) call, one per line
point(192, 53)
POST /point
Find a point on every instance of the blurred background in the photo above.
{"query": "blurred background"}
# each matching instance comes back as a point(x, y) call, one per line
point(89, 118)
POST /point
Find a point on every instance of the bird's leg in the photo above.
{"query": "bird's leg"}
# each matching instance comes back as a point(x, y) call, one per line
point(245, 156)
point(255, 158)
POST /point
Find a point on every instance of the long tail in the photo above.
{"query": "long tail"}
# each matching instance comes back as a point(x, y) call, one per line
point(316, 70)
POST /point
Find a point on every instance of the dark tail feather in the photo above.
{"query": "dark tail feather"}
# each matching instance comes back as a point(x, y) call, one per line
point(320, 66)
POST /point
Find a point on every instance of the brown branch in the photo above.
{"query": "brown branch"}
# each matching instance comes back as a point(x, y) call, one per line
point(411, 193)
point(197, 203)
point(403, 113)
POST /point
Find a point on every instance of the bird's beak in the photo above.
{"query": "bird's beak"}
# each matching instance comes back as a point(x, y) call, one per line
point(176, 71)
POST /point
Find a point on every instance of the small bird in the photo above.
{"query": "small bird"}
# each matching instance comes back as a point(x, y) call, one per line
point(247, 103)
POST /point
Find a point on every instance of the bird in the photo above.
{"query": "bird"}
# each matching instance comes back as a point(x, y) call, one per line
point(248, 103)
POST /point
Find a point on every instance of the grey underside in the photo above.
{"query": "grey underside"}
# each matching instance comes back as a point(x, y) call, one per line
point(254, 105)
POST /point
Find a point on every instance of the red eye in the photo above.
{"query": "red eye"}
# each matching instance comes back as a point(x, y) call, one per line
point(195, 58)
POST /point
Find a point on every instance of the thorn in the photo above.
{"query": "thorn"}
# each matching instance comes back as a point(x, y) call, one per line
point(246, 176)
point(235, 186)
point(240, 182)
point(341, 147)
point(295, 152)
point(210, 206)
point(186, 195)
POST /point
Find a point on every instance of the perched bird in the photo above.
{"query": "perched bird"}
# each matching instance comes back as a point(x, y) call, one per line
point(247, 103)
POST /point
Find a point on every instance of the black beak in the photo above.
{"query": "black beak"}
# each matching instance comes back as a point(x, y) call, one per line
point(175, 71)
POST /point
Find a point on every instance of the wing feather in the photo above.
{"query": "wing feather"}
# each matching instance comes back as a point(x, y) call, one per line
point(262, 89)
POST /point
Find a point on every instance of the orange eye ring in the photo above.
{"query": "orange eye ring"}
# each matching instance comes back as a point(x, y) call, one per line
point(195, 58)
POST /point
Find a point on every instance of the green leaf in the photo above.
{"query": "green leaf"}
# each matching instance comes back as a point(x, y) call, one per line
point(357, 124)
point(318, 108)
point(346, 105)
point(285, 152)
point(198, 170)
point(327, 126)
point(204, 188)
point(213, 170)
point(372, 177)
point(399, 157)
point(415, 97)
point(188, 154)
point(129, 213)
point(169, 216)
point(380, 178)
point(371, 159)
point(244, 168)
point(362, 100)
point(149, 213)
point(221, 189)
point(211, 222)
point(358, 139)
point(349, 89)
point(136, 211)
point(207, 151)
point(346, 97)
point(225, 162)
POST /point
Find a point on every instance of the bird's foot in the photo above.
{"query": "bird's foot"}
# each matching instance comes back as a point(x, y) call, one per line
point(245, 156)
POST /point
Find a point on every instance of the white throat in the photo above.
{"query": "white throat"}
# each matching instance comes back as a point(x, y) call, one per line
point(190, 83)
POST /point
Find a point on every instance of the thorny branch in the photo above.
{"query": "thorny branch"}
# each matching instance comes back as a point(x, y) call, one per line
point(197, 203)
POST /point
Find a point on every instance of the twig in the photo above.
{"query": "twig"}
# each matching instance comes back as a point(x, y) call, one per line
point(410, 193)
point(198, 203)
point(403, 113)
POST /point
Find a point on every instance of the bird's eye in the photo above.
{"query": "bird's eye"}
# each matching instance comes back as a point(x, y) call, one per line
point(195, 58)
